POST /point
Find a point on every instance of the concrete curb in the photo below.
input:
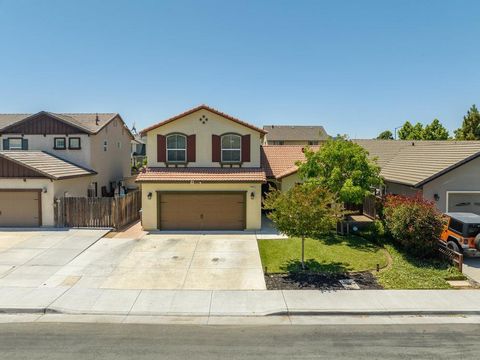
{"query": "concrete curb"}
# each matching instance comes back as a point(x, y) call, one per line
point(279, 313)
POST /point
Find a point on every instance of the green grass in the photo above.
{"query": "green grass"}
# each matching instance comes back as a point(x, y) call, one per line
point(408, 272)
point(332, 253)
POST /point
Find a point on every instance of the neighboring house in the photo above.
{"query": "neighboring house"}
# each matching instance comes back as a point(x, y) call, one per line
point(295, 135)
point(203, 173)
point(279, 164)
point(138, 151)
point(445, 172)
point(45, 156)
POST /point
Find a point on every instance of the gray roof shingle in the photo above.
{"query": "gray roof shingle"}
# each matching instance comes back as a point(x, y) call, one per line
point(295, 133)
point(86, 121)
point(47, 164)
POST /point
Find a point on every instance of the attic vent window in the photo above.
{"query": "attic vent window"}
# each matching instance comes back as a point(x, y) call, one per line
point(203, 119)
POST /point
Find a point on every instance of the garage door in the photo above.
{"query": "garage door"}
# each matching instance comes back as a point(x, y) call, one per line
point(20, 208)
point(201, 211)
point(465, 202)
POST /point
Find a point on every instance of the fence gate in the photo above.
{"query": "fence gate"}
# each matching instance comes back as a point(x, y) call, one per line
point(114, 212)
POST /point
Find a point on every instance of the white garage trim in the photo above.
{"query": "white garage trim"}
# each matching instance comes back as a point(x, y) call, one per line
point(457, 192)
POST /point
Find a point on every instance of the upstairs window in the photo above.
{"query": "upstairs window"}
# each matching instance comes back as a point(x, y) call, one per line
point(15, 144)
point(176, 148)
point(59, 143)
point(231, 148)
point(74, 143)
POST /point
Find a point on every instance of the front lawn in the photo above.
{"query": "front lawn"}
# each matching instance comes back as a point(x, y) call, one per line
point(333, 253)
point(408, 272)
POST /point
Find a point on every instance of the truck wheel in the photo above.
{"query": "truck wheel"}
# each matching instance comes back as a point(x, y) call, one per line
point(452, 245)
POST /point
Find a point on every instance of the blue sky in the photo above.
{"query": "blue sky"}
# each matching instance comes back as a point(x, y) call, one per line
point(356, 67)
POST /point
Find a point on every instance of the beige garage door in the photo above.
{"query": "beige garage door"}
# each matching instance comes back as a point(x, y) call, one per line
point(20, 208)
point(201, 211)
point(464, 202)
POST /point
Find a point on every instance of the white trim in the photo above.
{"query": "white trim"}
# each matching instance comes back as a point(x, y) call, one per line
point(222, 149)
point(167, 149)
point(447, 195)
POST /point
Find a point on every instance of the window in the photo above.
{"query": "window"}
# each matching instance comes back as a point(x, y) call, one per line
point(105, 145)
point(74, 143)
point(15, 143)
point(176, 148)
point(59, 143)
point(456, 226)
point(231, 148)
point(277, 142)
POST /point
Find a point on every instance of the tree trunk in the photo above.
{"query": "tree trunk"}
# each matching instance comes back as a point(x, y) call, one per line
point(303, 252)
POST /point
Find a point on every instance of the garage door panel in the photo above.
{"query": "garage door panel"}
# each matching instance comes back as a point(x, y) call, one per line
point(202, 211)
point(20, 208)
point(466, 202)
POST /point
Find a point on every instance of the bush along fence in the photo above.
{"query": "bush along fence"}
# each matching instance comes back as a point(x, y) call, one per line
point(113, 212)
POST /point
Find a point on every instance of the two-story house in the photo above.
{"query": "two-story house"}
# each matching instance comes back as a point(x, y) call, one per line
point(45, 156)
point(203, 173)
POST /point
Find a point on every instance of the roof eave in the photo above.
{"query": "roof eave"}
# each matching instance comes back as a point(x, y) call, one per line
point(195, 109)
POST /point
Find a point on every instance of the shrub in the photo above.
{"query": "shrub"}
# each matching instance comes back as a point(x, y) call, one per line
point(374, 232)
point(414, 223)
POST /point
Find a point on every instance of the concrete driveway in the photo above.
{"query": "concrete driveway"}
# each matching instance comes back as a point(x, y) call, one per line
point(129, 260)
point(167, 261)
point(471, 268)
point(28, 258)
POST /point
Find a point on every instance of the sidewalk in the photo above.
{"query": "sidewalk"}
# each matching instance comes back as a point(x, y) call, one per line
point(238, 303)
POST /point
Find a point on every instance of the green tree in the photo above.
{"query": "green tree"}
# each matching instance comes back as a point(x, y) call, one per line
point(306, 210)
point(405, 131)
point(470, 129)
point(435, 131)
point(344, 168)
point(411, 132)
point(385, 135)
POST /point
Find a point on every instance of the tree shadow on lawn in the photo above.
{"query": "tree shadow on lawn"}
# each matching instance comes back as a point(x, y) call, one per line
point(313, 266)
point(352, 241)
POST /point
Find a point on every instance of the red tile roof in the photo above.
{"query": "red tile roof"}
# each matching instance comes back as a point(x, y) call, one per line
point(279, 160)
point(198, 175)
point(202, 107)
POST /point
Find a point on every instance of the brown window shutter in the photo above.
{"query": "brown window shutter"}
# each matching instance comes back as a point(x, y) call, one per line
point(216, 149)
point(161, 149)
point(246, 148)
point(191, 148)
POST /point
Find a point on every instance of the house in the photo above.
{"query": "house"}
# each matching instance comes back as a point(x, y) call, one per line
point(203, 173)
point(445, 172)
point(279, 162)
point(45, 156)
point(295, 135)
point(138, 152)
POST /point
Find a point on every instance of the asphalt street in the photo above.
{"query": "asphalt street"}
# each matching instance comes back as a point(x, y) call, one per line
point(122, 341)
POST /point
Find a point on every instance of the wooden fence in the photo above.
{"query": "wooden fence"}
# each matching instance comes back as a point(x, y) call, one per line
point(370, 206)
point(114, 212)
point(454, 257)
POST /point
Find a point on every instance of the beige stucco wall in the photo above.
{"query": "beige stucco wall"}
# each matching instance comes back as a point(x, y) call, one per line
point(76, 187)
point(113, 164)
point(289, 181)
point(35, 184)
point(149, 206)
point(46, 143)
point(216, 125)
point(399, 189)
point(463, 178)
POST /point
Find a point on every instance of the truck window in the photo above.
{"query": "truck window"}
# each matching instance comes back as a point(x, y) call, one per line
point(473, 229)
point(456, 226)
